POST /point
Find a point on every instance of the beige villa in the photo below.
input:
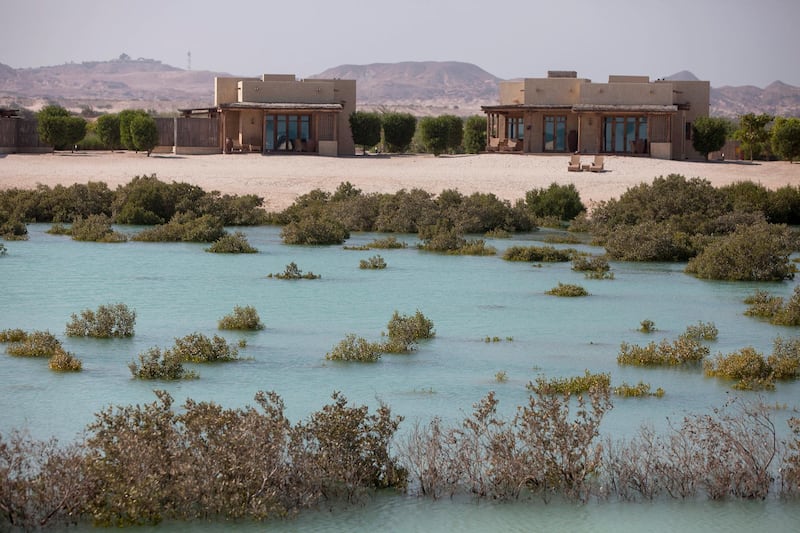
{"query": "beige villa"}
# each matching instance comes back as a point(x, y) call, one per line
point(629, 115)
point(280, 113)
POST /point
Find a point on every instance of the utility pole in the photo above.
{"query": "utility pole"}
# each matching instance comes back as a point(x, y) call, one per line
point(189, 60)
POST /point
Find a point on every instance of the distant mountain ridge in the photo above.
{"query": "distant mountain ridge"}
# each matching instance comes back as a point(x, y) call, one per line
point(418, 87)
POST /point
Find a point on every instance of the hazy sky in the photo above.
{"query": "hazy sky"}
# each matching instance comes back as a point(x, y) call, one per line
point(728, 42)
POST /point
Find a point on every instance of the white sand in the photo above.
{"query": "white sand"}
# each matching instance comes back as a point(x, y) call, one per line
point(279, 179)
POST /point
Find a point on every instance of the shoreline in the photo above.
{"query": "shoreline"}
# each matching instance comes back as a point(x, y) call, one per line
point(280, 179)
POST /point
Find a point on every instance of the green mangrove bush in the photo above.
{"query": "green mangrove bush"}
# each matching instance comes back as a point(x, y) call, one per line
point(198, 348)
point(63, 361)
point(353, 348)
point(114, 320)
point(702, 331)
point(571, 385)
point(184, 227)
point(639, 390)
point(232, 243)
point(376, 262)
point(292, 271)
point(567, 290)
point(544, 254)
point(753, 252)
point(242, 318)
point(95, 228)
point(162, 365)
point(33, 344)
point(681, 351)
point(774, 308)
point(405, 330)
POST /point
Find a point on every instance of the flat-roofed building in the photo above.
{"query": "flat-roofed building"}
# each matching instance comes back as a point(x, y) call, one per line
point(278, 113)
point(628, 115)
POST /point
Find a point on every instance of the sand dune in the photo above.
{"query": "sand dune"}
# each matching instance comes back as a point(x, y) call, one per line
point(279, 179)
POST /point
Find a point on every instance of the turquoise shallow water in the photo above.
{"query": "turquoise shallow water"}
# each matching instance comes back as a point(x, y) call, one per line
point(177, 289)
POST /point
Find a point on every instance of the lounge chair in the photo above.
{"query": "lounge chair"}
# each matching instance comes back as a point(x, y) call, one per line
point(574, 163)
point(597, 164)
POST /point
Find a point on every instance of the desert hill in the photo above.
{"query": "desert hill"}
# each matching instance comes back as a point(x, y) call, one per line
point(421, 87)
point(418, 87)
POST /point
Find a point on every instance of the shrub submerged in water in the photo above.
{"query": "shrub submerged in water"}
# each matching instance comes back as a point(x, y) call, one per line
point(405, 331)
point(244, 318)
point(114, 320)
point(235, 243)
point(353, 348)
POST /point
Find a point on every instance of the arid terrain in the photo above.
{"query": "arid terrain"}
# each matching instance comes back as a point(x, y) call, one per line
point(422, 88)
point(280, 179)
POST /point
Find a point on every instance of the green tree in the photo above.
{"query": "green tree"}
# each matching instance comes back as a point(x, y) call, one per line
point(709, 134)
point(475, 134)
point(126, 117)
point(58, 128)
point(433, 133)
point(442, 133)
point(398, 131)
point(455, 131)
point(144, 133)
point(366, 128)
point(107, 128)
point(786, 138)
point(752, 133)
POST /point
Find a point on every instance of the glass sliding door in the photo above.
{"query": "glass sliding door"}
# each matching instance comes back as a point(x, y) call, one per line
point(555, 133)
point(287, 133)
point(627, 135)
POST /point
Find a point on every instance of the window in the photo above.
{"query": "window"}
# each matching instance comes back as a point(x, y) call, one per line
point(688, 131)
point(555, 134)
point(515, 128)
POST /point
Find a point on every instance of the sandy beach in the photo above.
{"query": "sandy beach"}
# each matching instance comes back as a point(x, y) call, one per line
point(279, 179)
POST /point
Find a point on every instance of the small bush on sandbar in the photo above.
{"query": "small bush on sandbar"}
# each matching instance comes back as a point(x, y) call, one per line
point(353, 348)
point(702, 331)
point(155, 364)
point(293, 272)
point(405, 331)
point(572, 385)
point(114, 320)
point(376, 262)
point(243, 318)
point(544, 254)
point(681, 351)
point(567, 290)
point(233, 243)
point(198, 348)
point(34, 344)
point(637, 391)
point(63, 361)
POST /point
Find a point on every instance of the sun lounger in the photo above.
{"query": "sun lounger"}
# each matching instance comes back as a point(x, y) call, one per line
point(597, 164)
point(574, 163)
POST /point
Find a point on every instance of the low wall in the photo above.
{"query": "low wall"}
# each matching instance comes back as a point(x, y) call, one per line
point(661, 150)
point(328, 148)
